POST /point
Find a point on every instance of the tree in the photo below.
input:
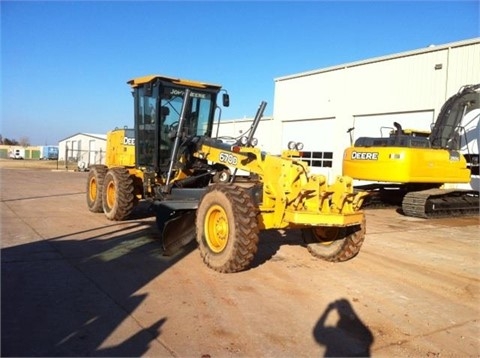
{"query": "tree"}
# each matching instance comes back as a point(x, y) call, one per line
point(10, 141)
point(24, 141)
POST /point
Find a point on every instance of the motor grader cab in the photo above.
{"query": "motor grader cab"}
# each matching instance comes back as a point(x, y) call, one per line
point(412, 166)
point(178, 166)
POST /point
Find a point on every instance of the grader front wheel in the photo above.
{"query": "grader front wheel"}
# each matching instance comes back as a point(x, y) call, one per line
point(227, 228)
point(117, 197)
point(334, 244)
point(95, 180)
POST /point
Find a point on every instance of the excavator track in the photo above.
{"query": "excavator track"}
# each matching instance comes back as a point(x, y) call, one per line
point(437, 203)
point(381, 196)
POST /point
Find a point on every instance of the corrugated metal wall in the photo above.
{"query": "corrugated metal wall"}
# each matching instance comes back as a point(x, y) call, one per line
point(398, 84)
point(405, 83)
point(463, 67)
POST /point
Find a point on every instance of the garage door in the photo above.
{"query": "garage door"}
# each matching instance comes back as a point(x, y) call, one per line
point(315, 134)
point(380, 125)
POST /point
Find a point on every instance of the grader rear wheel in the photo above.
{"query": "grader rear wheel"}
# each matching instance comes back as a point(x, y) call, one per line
point(334, 244)
point(117, 197)
point(227, 228)
point(95, 180)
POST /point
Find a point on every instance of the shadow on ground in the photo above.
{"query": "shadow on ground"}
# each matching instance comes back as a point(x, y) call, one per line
point(64, 297)
point(270, 241)
point(348, 337)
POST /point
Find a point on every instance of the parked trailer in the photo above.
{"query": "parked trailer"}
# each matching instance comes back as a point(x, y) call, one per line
point(49, 152)
point(17, 153)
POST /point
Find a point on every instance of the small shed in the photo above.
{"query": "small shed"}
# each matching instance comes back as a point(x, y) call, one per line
point(85, 149)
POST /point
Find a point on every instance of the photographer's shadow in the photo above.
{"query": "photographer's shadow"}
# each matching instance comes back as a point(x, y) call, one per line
point(349, 337)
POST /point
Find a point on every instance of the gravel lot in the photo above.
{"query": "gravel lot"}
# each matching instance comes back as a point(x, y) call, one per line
point(75, 284)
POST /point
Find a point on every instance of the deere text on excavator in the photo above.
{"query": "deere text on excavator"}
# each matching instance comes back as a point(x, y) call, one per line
point(171, 159)
point(412, 167)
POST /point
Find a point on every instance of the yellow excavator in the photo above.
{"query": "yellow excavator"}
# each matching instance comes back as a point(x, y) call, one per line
point(171, 159)
point(413, 167)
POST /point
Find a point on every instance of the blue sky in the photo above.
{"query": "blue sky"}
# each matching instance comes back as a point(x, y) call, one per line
point(64, 65)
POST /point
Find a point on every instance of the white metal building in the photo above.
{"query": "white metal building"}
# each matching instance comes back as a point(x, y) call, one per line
point(83, 148)
point(319, 107)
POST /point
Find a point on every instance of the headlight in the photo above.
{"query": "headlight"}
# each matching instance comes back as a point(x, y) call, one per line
point(254, 142)
point(299, 146)
point(243, 140)
point(291, 145)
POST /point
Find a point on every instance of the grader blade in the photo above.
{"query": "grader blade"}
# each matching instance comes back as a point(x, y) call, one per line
point(178, 231)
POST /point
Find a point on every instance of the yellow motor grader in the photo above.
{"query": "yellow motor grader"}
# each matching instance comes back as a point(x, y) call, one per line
point(172, 159)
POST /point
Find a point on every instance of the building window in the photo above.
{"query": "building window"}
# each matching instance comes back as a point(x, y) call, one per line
point(318, 159)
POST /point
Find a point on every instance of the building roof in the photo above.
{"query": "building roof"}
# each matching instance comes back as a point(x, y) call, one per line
point(92, 135)
point(431, 48)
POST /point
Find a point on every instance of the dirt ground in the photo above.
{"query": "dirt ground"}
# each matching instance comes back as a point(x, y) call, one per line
point(75, 284)
point(32, 164)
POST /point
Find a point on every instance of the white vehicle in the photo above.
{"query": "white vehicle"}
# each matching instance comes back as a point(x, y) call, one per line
point(17, 153)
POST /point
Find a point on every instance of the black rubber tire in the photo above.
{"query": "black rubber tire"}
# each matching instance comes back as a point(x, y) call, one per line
point(117, 196)
point(227, 228)
point(95, 180)
point(335, 244)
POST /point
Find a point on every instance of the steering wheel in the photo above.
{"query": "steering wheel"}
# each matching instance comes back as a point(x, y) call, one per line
point(173, 126)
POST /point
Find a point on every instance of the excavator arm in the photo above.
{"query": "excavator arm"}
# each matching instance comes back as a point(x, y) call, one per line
point(445, 131)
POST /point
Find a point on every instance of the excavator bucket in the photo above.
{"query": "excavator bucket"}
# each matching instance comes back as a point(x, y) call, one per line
point(177, 228)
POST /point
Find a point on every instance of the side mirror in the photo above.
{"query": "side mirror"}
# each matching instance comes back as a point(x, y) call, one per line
point(226, 100)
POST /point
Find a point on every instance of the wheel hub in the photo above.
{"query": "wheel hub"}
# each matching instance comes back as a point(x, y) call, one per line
point(216, 228)
point(326, 235)
point(93, 189)
point(110, 195)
